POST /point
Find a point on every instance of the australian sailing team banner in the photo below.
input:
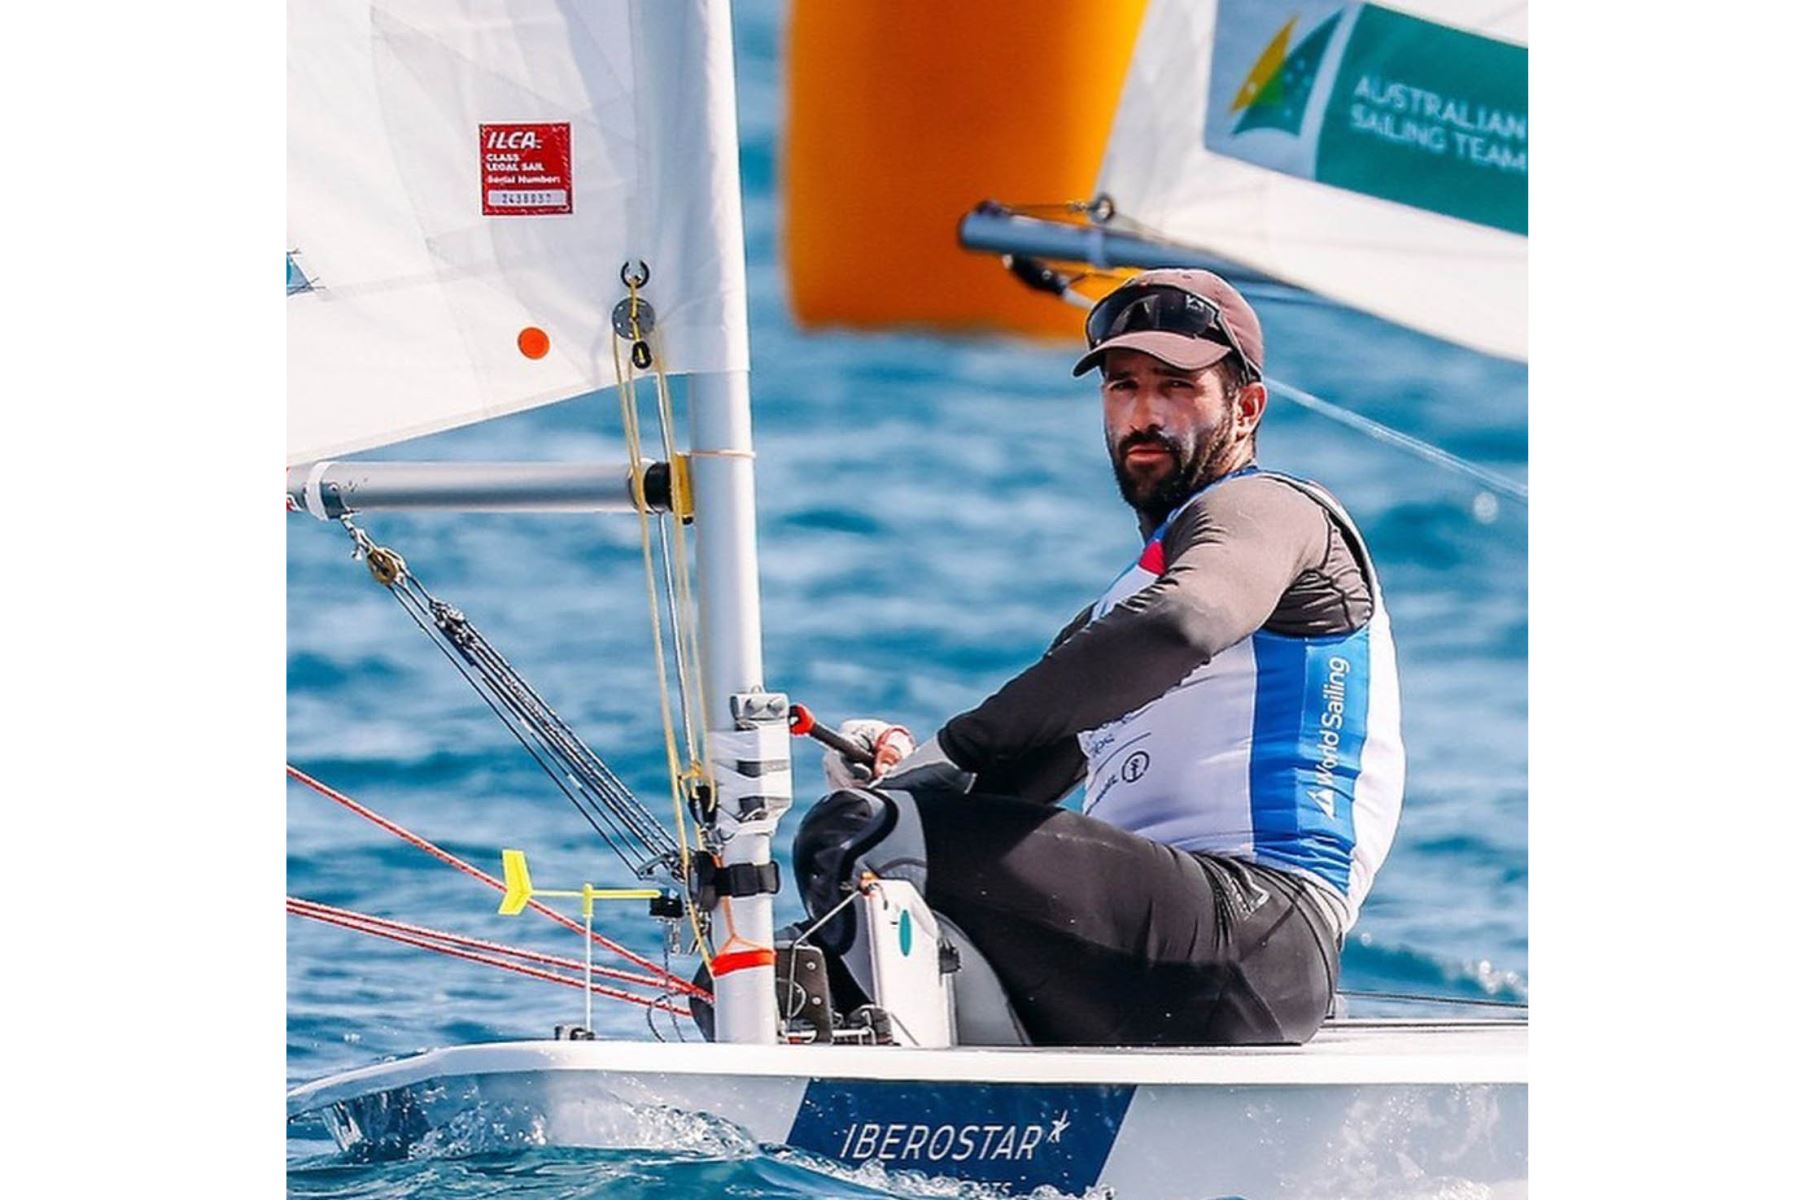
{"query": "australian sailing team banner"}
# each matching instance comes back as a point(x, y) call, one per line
point(1373, 101)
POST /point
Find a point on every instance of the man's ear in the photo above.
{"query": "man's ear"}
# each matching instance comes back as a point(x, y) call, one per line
point(1252, 400)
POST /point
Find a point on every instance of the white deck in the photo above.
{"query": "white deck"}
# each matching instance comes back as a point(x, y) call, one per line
point(1344, 1053)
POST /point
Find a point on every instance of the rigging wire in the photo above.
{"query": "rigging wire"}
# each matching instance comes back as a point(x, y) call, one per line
point(601, 798)
point(452, 946)
point(301, 907)
point(1492, 480)
point(650, 1013)
point(620, 805)
point(674, 981)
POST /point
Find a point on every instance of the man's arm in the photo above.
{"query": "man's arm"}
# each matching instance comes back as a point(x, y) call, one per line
point(1043, 774)
point(1072, 628)
point(1231, 556)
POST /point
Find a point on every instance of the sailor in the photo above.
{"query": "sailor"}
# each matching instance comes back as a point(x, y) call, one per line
point(1230, 703)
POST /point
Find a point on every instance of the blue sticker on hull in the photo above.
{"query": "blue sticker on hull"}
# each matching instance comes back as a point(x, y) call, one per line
point(1015, 1133)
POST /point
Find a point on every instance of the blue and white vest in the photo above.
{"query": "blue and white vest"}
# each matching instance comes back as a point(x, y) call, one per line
point(1282, 750)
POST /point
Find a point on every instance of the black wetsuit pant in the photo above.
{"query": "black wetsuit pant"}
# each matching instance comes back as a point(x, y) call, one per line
point(1104, 938)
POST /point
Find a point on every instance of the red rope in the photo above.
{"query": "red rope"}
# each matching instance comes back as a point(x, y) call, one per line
point(307, 908)
point(363, 924)
point(442, 855)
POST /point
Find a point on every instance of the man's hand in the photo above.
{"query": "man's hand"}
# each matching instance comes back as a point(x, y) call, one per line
point(928, 769)
point(888, 743)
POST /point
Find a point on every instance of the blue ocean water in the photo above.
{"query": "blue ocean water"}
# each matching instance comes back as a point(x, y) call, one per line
point(931, 512)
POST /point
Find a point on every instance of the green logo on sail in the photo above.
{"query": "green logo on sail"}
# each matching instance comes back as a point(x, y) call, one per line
point(1374, 101)
point(1274, 94)
point(1429, 116)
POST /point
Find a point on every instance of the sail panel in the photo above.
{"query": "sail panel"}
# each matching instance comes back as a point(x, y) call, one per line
point(1221, 141)
point(466, 179)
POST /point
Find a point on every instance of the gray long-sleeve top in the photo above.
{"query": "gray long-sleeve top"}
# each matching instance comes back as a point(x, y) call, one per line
point(1251, 552)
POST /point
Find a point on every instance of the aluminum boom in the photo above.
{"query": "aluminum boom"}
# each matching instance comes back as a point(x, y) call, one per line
point(997, 232)
point(329, 489)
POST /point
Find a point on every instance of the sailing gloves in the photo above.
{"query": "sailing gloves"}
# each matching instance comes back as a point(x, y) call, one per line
point(888, 743)
point(898, 764)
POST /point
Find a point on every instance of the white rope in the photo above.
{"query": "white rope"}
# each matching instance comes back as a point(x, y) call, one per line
point(1404, 441)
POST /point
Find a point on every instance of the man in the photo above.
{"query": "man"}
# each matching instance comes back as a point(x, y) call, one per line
point(1230, 701)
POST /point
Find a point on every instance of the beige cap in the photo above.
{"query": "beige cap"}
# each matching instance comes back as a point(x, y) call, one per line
point(1179, 349)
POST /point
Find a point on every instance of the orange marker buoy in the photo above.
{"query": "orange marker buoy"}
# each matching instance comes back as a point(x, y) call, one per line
point(533, 342)
point(902, 117)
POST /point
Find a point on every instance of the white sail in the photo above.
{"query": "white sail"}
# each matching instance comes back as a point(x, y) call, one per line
point(466, 179)
point(1447, 257)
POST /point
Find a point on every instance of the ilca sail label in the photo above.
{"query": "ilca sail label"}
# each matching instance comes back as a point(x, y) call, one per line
point(526, 171)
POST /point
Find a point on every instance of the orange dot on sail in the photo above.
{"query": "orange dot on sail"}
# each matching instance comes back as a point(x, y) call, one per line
point(533, 342)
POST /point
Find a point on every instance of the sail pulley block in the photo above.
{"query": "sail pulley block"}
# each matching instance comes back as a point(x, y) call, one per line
point(1037, 275)
point(623, 316)
point(633, 318)
point(387, 567)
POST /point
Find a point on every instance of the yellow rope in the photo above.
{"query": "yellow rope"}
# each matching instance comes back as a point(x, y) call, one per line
point(686, 625)
point(627, 382)
point(689, 680)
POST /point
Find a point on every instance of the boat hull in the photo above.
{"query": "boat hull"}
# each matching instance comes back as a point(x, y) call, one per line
point(1368, 1108)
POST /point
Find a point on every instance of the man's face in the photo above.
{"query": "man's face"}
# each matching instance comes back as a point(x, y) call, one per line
point(1168, 431)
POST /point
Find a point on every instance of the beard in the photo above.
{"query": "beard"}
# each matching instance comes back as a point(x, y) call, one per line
point(1155, 490)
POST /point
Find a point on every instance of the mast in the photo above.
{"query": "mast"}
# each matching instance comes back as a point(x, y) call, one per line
point(747, 733)
point(747, 740)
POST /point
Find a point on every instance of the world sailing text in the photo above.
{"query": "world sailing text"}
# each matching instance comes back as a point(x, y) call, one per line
point(1331, 724)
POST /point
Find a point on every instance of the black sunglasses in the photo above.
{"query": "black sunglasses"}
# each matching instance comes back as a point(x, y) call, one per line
point(1160, 308)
